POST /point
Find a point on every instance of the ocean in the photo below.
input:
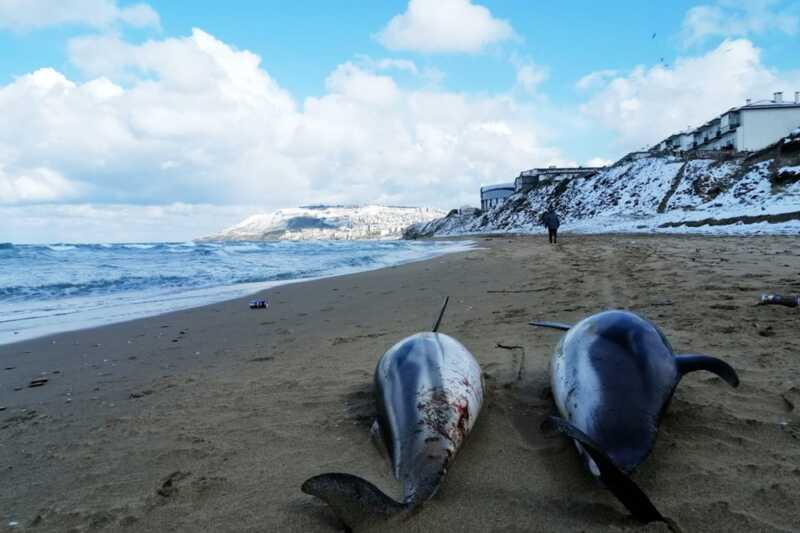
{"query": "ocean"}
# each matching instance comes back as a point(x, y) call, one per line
point(53, 288)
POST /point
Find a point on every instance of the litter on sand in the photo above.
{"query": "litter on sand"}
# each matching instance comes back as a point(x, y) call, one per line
point(259, 304)
point(777, 299)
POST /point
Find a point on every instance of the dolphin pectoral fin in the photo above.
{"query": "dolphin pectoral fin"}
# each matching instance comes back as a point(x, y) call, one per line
point(553, 325)
point(357, 502)
point(690, 362)
point(612, 477)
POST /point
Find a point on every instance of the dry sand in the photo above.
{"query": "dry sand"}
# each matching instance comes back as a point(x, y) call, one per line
point(210, 419)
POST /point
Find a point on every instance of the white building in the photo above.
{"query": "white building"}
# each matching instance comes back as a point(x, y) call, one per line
point(751, 127)
point(493, 195)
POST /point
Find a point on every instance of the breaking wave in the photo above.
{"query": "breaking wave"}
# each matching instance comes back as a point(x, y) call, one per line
point(39, 283)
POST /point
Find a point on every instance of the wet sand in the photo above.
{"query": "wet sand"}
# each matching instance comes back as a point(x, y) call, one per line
point(210, 419)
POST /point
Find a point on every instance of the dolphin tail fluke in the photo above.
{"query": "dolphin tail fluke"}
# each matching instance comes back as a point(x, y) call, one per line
point(441, 315)
point(357, 502)
point(619, 483)
point(553, 325)
point(691, 362)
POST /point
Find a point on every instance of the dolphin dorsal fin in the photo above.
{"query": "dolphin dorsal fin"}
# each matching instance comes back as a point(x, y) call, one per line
point(691, 362)
point(441, 315)
point(553, 325)
point(619, 483)
point(357, 502)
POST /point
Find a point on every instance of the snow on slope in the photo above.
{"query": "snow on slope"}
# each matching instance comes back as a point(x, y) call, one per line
point(658, 192)
point(328, 222)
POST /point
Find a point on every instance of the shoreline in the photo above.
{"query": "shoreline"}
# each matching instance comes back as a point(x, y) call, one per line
point(210, 418)
point(681, 231)
point(207, 295)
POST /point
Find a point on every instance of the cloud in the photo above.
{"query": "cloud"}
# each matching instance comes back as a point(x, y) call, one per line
point(728, 18)
point(388, 63)
point(441, 26)
point(596, 79)
point(647, 104)
point(430, 75)
point(194, 120)
point(530, 75)
point(116, 223)
point(35, 185)
point(25, 15)
point(354, 84)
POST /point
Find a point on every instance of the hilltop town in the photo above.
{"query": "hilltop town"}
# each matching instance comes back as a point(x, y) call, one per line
point(323, 222)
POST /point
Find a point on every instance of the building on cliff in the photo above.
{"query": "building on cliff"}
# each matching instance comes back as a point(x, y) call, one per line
point(748, 128)
point(493, 195)
point(529, 179)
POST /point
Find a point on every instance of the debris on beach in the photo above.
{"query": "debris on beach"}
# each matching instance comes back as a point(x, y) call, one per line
point(519, 357)
point(777, 299)
point(767, 331)
point(259, 304)
point(169, 487)
point(38, 382)
point(791, 398)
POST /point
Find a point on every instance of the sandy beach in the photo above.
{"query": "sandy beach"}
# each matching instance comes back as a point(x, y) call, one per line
point(210, 419)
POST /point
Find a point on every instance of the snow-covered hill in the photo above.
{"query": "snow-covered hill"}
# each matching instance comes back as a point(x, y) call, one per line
point(759, 193)
point(329, 222)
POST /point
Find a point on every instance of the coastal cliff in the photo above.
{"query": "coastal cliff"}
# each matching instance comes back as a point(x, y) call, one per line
point(654, 192)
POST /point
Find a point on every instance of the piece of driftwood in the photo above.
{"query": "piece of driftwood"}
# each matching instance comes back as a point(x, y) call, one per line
point(519, 353)
point(777, 299)
point(508, 347)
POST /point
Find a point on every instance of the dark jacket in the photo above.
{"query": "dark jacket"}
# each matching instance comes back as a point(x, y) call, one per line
point(550, 219)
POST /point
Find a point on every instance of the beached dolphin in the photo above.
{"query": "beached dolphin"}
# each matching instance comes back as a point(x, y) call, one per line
point(428, 393)
point(612, 377)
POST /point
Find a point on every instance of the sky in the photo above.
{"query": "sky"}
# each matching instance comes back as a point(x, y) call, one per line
point(129, 122)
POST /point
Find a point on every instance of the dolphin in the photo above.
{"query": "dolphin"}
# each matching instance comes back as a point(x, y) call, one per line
point(428, 394)
point(612, 376)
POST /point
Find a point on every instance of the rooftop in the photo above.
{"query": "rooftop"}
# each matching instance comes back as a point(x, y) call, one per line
point(559, 170)
point(498, 186)
point(767, 104)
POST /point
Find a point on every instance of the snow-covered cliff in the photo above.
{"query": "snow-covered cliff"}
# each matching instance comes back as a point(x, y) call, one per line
point(328, 222)
point(759, 193)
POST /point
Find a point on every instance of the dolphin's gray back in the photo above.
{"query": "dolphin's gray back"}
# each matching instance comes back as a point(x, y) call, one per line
point(429, 393)
point(612, 375)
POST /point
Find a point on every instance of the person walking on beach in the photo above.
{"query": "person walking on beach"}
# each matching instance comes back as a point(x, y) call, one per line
point(550, 220)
